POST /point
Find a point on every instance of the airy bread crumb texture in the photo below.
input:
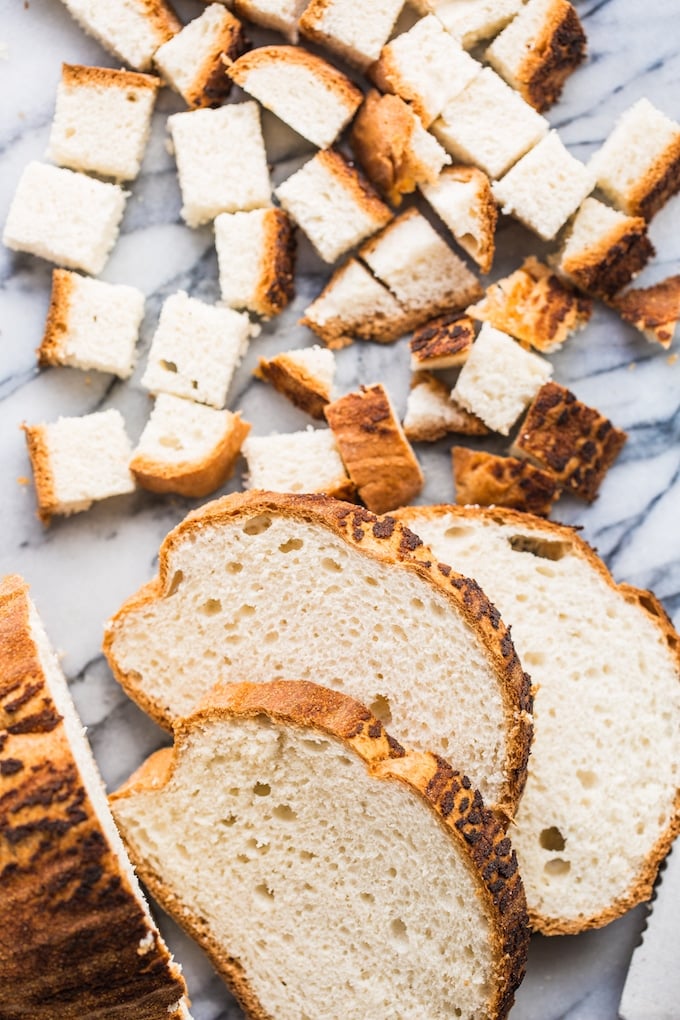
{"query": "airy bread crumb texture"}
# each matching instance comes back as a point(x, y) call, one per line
point(306, 461)
point(483, 479)
point(304, 376)
point(472, 21)
point(462, 198)
point(350, 28)
point(256, 253)
point(431, 414)
point(130, 29)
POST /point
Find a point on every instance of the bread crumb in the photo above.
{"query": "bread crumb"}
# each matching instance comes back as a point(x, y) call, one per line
point(671, 359)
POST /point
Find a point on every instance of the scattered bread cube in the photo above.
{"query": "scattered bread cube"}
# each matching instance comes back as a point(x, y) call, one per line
point(281, 15)
point(604, 249)
point(471, 21)
point(349, 28)
point(376, 453)
point(574, 441)
point(187, 448)
point(489, 124)
point(304, 91)
point(534, 306)
point(304, 376)
point(483, 479)
point(195, 350)
point(102, 120)
point(78, 461)
point(499, 379)
point(256, 257)
point(191, 62)
point(432, 414)
point(638, 167)
point(655, 310)
point(132, 30)
point(221, 161)
point(307, 461)
point(91, 324)
point(443, 342)
point(332, 204)
point(462, 198)
point(64, 217)
point(539, 49)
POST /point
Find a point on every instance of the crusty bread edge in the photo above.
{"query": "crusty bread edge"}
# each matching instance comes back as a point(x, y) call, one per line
point(82, 76)
point(276, 286)
point(43, 476)
point(51, 350)
point(326, 75)
point(212, 84)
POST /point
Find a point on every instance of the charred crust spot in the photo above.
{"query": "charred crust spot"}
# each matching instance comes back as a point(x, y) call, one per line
point(396, 750)
point(375, 730)
point(444, 569)
point(384, 528)
point(40, 722)
point(409, 541)
point(10, 766)
point(554, 61)
point(466, 784)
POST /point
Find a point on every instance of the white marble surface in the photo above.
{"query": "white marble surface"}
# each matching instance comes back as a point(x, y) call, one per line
point(81, 568)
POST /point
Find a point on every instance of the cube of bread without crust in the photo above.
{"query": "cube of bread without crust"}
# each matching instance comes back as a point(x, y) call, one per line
point(443, 342)
point(483, 479)
point(376, 453)
point(64, 217)
point(256, 256)
point(91, 324)
point(349, 28)
point(462, 198)
point(307, 461)
point(78, 461)
point(574, 441)
point(304, 376)
point(333, 204)
point(130, 29)
point(638, 167)
point(539, 49)
point(221, 161)
point(281, 15)
point(187, 448)
point(102, 120)
point(304, 91)
point(471, 21)
point(431, 413)
point(655, 310)
point(191, 62)
point(499, 379)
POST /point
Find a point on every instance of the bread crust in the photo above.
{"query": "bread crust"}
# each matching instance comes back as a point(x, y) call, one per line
point(349, 177)
point(81, 76)
point(610, 263)
point(657, 185)
point(293, 380)
point(276, 287)
point(51, 350)
point(162, 17)
point(326, 75)
point(72, 931)
point(212, 83)
point(655, 310)
point(43, 476)
point(554, 54)
point(482, 247)
point(483, 479)
point(311, 26)
point(481, 839)
point(443, 342)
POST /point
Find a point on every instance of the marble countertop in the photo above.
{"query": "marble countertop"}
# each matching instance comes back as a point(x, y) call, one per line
point(81, 568)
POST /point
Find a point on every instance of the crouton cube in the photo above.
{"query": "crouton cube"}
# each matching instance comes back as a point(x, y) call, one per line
point(483, 479)
point(472, 21)
point(256, 257)
point(349, 28)
point(462, 198)
point(281, 15)
point(443, 342)
point(132, 30)
point(431, 413)
point(307, 461)
point(655, 310)
point(304, 376)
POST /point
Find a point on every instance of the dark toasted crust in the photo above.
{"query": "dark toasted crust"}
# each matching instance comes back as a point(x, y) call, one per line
point(71, 924)
point(442, 342)
point(277, 283)
point(612, 261)
point(43, 477)
point(655, 310)
point(660, 183)
point(81, 76)
point(381, 141)
point(480, 838)
point(327, 75)
point(212, 83)
point(557, 51)
point(483, 479)
point(51, 351)
point(292, 379)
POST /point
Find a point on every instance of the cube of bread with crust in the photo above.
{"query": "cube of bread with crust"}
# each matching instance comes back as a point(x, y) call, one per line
point(191, 62)
point(471, 21)
point(64, 217)
point(539, 49)
point(187, 448)
point(426, 66)
point(78, 461)
point(307, 461)
point(376, 453)
point(349, 28)
point(256, 257)
point(655, 310)
point(304, 91)
point(195, 350)
point(393, 147)
point(483, 479)
point(221, 161)
point(304, 376)
point(462, 198)
point(499, 379)
point(574, 441)
point(281, 15)
point(130, 29)
point(534, 306)
point(431, 413)
point(333, 204)
point(603, 249)
point(489, 124)
point(91, 324)
point(638, 167)
point(443, 342)
point(544, 187)
point(102, 120)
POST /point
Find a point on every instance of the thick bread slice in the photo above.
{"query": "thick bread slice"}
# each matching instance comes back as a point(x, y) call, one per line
point(602, 804)
point(76, 937)
point(403, 899)
point(271, 585)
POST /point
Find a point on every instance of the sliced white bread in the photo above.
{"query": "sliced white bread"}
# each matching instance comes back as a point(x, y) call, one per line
point(132, 29)
point(431, 414)
point(281, 15)
point(350, 29)
point(444, 342)
point(472, 21)
point(191, 62)
point(654, 310)
point(256, 256)
point(600, 807)
point(306, 461)
point(484, 479)
point(304, 376)
point(462, 198)
point(330, 589)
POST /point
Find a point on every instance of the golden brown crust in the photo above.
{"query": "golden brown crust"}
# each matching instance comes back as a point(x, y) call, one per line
point(352, 180)
point(276, 288)
point(659, 183)
point(72, 925)
point(553, 55)
point(483, 479)
point(43, 477)
point(212, 83)
point(295, 382)
point(311, 25)
point(443, 342)
point(655, 310)
point(161, 15)
point(429, 430)
point(327, 75)
point(612, 261)
point(51, 350)
point(381, 139)
point(79, 76)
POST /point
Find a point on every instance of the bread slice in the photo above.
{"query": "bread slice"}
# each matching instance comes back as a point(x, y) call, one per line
point(132, 29)
point(350, 29)
point(102, 120)
point(260, 764)
point(431, 414)
point(281, 15)
point(304, 91)
point(444, 342)
point(483, 479)
point(653, 310)
point(77, 939)
point(472, 21)
point(304, 376)
point(256, 253)
point(187, 448)
point(604, 766)
point(462, 198)
point(336, 593)
point(306, 461)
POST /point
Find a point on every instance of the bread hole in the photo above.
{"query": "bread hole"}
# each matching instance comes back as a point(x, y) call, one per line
point(640, 828)
point(542, 547)
point(258, 846)
point(291, 545)
point(367, 897)
point(392, 872)
point(262, 789)
point(234, 567)
point(417, 603)
point(331, 565)
point(552, 839)
point(316, 745)
point(371, 580)
point(243, 858)
point(169, 366)
point(457, 531)
point(228, 821)
point(557, 866)
point(263, 890)
point(284, 813)
point(398, 933)
point(177, 579)
point(245, 611)
point(587, 779)
point(545, 571)
point(211, 607)
point(399, 632)
point(380, 707)
point(257, 525)
point(271, 637)
point(534, 658)
point(131, 97)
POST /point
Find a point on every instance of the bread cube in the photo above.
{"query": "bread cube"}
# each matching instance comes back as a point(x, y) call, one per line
point(91, 325)
point(483, 479)
point(489, 124)
point(351, 29)
point(256, 257)
point(431, 413)
point(499, 379)
point(472, 21)
point(304, 91)
point(64, 217)
point(195, 350)
point(332, 204)
point(304, 376)
point(132, 30)
point(187, 448)
point(638, 167)
point(655, 310)
point(306, 461)
point(281, 15)
point(462, 198)
point(221, 161)
point(78, 461)
point(102, 120)
point(443, 342)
